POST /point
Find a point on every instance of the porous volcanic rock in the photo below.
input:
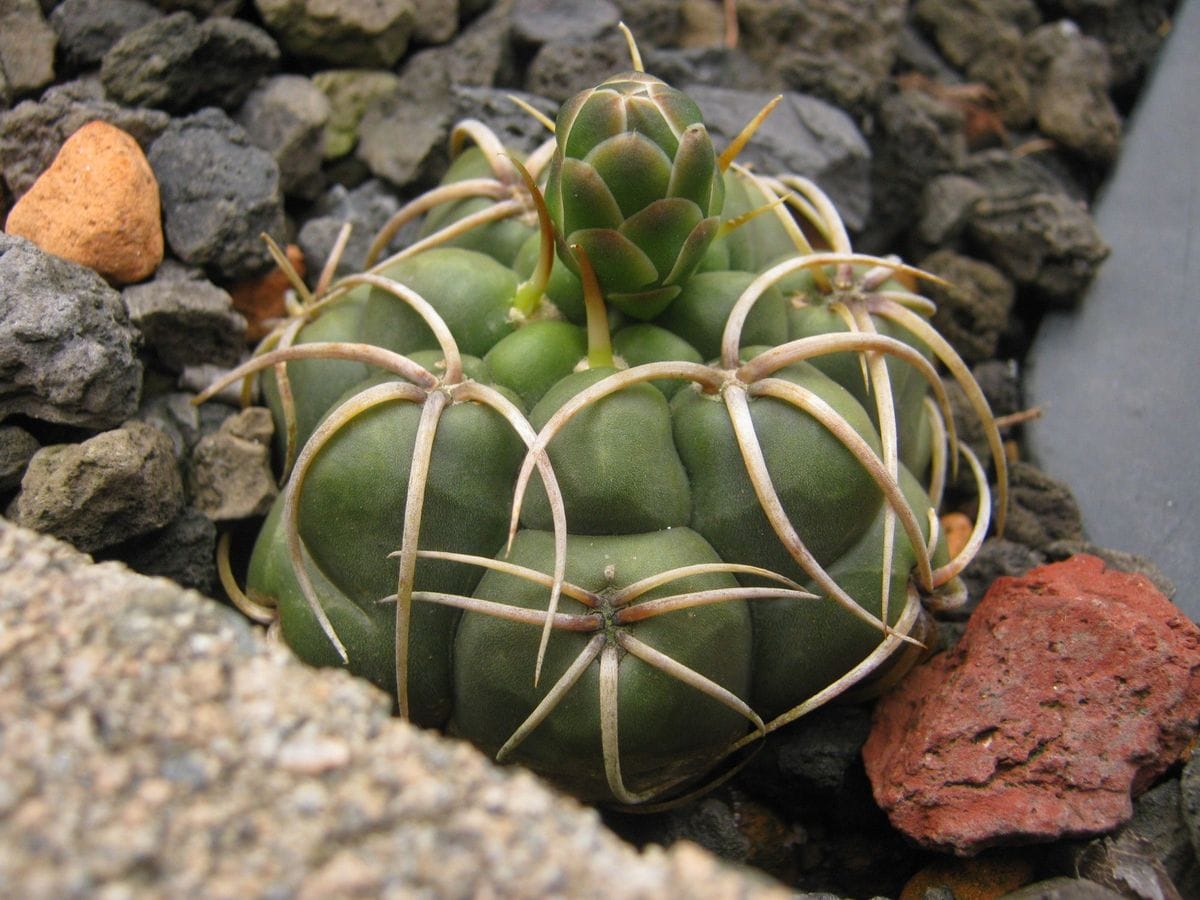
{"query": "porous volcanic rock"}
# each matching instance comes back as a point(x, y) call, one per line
point(32, 133)
point(68, 353)
point(1073, 688)
point(109, 488)
point(340, 32)
point(96, 205)
point(26, 46)
point(220, 193)
point(231, 470)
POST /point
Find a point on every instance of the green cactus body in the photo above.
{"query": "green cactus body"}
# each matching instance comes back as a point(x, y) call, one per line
point(810, 312)
point(351, 517)
point(535, 357)
point(616, 462)
point(618, 515)
point(801, 648)
point(563, 289)
point(635, 182)
point(699, 313)
point(643, 342)
point(667, 729)
point(470, 291)
point(501, 240)
point(827, 494)
point(753, 244)
point(367, 628)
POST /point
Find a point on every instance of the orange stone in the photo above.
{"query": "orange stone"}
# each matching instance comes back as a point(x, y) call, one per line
point(261, 300)
point(957, 528)
point(96, 205)
point(984, 878)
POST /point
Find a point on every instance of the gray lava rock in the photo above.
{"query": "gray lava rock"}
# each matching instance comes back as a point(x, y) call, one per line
point(87, 29)
point(180, 419)
point(998, 380)
point(1041, 509)
point(917, 138)
point(804, 135)
point(201, 8)
point(655, 23)
point(287, 115)
point(482, 54)
point(1149, 857)
point(839, 50)
point(1034, 224)
point(973, 309)
point(200, 377)
point(817, 761)
point(185, 551)
point(915, 53)
point(17, 447)
point(67, 349)
point(186, 319)
point(403, 134)
point(480, 57)
point(711, 66)
point(561, 69)
point(711, 823)
point(537, 22)
point(366, 208)
point(435, 21)
point(1063, 888)
point(341, 32)
point(177, 64)
point(350, 92)
point(32, 133)
point(1047, 242)
point(984, 41)
point(946, 204)
point(231, 474)
point(1189, 800)
point(26, 46)
point(155, 745)
point(114, 486)
point(219, 194)
point(1070, 78)
point(1006, 176)
point(517, 129)
point(1132, 32)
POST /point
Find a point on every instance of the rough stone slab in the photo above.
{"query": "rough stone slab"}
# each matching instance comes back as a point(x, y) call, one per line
point(1117, 377)
point(154, 745)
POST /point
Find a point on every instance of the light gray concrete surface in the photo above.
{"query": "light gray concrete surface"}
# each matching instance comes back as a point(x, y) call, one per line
point(1119, 378)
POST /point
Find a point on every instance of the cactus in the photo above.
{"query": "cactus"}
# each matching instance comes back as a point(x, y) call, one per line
point(618, 514)
point(636, 183)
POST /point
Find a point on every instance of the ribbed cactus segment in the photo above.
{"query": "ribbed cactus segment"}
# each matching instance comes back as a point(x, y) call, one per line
point(619, 518)
point(636, 183)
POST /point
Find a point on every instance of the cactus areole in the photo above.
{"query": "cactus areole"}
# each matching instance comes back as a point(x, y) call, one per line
point(603, 474)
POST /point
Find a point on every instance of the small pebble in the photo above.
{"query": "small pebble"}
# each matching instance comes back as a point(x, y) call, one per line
point(261, 300)
point(97, 205)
